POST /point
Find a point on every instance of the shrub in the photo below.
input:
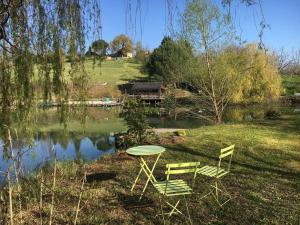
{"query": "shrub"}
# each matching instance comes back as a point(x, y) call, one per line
point(135, 115)
point(272, 114)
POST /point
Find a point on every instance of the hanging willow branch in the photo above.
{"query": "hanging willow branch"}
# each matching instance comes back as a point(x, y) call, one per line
point(38, 38)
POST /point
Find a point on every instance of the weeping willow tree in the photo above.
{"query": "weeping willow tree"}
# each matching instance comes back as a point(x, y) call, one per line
point(42, 46)
point(37, 38)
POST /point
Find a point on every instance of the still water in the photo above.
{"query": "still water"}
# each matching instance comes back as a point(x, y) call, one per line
point(87, 140)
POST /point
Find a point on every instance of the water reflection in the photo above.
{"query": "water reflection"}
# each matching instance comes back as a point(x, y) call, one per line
point(46, 148)
point(45, 136)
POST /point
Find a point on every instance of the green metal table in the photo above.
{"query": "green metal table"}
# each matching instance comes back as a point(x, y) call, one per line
point(142, 151)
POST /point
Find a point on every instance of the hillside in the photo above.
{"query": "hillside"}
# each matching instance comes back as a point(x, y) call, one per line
point(291, 84)
point(104, 79)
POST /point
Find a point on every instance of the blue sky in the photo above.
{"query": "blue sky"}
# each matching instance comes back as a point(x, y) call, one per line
point(283, 16)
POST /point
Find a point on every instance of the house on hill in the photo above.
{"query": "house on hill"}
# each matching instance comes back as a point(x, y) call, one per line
point(148, 90)
point(122, 54)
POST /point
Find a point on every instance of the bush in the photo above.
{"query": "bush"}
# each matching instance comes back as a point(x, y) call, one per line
point(253, 74)
point(135, 115)
point(272, 114)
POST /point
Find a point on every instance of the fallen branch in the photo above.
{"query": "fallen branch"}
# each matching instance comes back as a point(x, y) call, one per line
point(53, 194)
point(11, 215)
point(80, 196)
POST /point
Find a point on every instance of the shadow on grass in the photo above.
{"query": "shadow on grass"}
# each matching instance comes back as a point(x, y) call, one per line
point(184, 149)
point(130, 202)
point(100, 176)
point(287, 123)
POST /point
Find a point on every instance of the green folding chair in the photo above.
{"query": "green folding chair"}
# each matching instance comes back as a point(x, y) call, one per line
point(216, 188)
point(176, 187)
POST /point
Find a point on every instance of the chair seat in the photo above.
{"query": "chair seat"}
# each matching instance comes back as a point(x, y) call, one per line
point(174, 187)
point(212, 171)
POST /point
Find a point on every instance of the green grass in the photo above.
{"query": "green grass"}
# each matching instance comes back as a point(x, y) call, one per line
point(265, 179)
point(291, 84)
point(111, 72)
point(114, 72)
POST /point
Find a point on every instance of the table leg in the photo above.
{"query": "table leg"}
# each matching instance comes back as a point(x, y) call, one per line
point(150, 174)
point(136, 179)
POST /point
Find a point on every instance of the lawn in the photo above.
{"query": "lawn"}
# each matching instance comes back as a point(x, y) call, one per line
point(112, 73)
point(291, 84)
point(265, 180)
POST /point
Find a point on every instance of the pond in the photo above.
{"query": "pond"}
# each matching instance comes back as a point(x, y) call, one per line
point(92, 138)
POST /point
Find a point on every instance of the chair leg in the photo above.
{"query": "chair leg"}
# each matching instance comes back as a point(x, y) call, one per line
point(209, 190)
point(188, 211)
point(161, 208)
point(174, 210)
point(217, 188)
point(220, 189)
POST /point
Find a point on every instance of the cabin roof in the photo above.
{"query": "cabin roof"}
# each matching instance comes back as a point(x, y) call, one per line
point(147, 86)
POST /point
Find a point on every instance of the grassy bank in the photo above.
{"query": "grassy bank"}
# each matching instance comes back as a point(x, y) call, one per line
point(291, 84)
point(265, 180)
point(105, 79)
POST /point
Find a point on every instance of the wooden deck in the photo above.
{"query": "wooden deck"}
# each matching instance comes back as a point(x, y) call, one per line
point(147, 97)
point(90, 103)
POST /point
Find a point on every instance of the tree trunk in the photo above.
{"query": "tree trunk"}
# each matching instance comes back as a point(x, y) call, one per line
point(210, 74)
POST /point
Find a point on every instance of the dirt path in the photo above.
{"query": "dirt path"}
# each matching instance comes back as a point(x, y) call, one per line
point(166, 130)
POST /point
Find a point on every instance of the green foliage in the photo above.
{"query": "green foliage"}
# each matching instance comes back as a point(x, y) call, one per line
point(243, 75)
point(121, 45)
point(57, 66)
point(170, 61)
point(260, 81)
point(135, 115)
point(32, 57)
point(98, 48)
point(209, 29)
point(141, 54)
point(169, 102)
point(226, 73)
point(272, 114)
point(291, 84)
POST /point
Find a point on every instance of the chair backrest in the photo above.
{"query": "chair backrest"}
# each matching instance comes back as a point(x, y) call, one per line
point(182, 168)
point(226, 153)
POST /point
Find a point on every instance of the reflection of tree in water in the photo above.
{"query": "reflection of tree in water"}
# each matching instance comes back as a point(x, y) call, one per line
point(54, 136)
point(102, 143)
point(64, 140)
point(77, 141)
point(5, 122)
point(237, 113)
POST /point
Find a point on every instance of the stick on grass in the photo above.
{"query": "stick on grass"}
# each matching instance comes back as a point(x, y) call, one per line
point(52, 190)
point(11, 215)
point(80, 196)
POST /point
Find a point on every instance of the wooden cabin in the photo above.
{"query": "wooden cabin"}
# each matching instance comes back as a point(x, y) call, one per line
point(148, 90)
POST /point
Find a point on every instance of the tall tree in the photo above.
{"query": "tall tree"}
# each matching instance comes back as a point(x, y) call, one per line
point(98, 48)
point(170, 61)
point(121, 45)
point(34, 37)
point(209, 30)
point(141, 54)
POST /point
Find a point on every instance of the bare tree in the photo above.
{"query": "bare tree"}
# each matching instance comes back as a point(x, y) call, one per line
point(283, 60)
point(287, 63)
point(209, 30)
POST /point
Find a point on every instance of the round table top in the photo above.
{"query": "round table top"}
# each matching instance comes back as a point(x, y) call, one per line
point(145, 150)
